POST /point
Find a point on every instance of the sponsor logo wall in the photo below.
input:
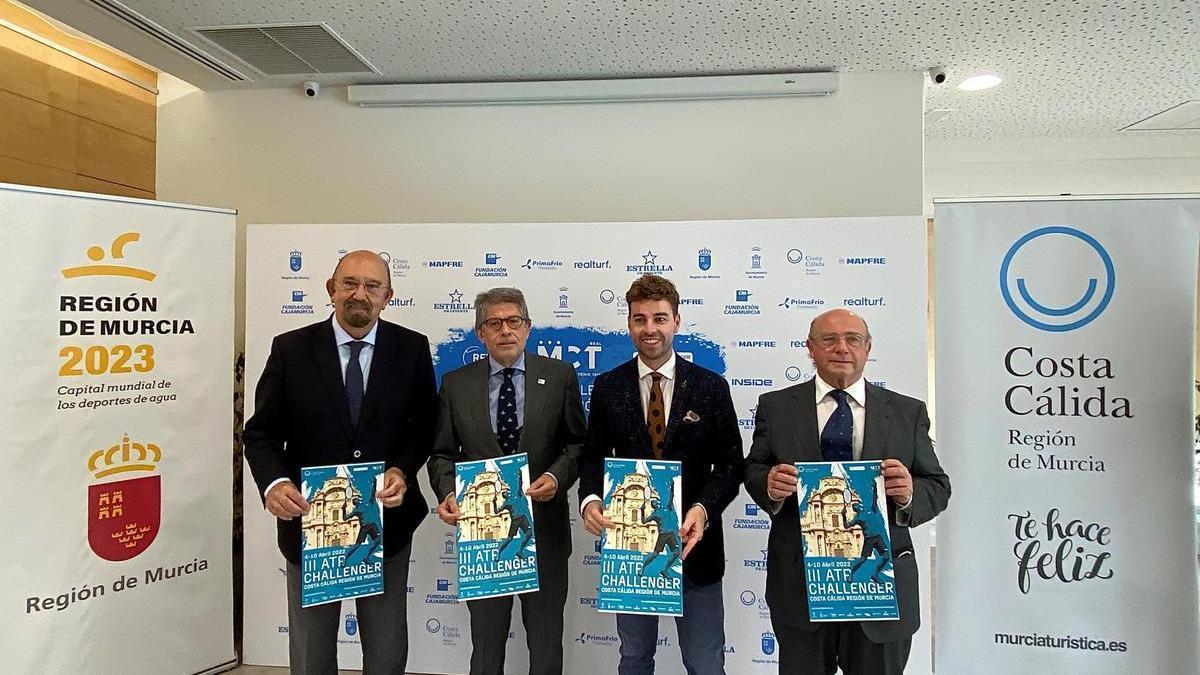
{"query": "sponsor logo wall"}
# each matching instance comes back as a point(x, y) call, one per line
point(749, 290)
point(118, 381)
point(1066, 335)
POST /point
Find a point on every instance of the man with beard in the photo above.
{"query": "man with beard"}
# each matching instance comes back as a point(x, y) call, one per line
point(349, 389)
point(658, 406)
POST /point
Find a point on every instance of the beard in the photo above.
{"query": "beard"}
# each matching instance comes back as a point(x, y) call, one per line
point(356, 313)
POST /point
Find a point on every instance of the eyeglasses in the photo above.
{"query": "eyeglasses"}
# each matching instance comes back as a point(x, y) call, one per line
point(830, 340)
point(513, 322)
point(350, 284)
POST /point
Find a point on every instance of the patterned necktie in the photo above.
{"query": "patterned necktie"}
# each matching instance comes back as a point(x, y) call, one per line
point(354, 382)
point(656, 416)
point(837, 439)
point(508, 434)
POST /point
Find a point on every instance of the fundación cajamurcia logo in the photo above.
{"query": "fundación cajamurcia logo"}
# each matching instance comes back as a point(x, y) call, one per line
point(99, 268)
point(123, 515)
point(1057, 278)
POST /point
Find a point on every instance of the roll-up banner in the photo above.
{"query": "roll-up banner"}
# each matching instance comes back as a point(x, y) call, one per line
point(117, 401)
point(1065, 362)
point(749, 289)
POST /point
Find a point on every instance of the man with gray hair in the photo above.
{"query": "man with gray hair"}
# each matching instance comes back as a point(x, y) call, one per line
point(533, 406)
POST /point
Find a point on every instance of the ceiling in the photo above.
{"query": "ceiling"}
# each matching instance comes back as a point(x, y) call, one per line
point(1071, 68)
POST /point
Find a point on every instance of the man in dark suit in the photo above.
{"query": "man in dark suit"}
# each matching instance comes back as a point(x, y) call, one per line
point(838, 416)
point(658, 406)
point(514, 401)
point(349, 389)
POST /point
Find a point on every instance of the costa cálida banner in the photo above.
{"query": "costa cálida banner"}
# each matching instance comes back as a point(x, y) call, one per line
point(1065, 358)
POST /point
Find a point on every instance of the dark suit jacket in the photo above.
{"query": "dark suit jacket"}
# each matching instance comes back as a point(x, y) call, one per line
point(301, 419)
point(552, 435)
point(785, 431)
point(710, 449)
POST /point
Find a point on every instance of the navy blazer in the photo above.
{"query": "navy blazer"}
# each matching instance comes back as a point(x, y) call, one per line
point(710, 448)
point(301, 419)
point(785, 431)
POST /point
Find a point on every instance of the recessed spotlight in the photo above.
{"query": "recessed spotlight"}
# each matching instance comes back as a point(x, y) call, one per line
point(979, 82)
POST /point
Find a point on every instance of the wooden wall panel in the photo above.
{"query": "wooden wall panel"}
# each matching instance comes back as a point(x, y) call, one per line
point(115, 156)
point(67, 123)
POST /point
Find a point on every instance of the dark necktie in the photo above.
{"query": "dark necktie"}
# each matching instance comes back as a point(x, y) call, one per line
point(354, 382)
point(837, 439)
point(508, 434)
point(656, 416)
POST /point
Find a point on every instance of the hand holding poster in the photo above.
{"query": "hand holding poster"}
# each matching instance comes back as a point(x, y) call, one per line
point(847, 548)
point(342, 550)
point(641, 559)
point(497, 551)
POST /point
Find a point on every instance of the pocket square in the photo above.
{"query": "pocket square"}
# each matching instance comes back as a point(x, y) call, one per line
point(691, 417)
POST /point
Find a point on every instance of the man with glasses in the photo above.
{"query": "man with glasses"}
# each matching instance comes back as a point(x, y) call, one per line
point(353, 388)
point(838, 416)
point(514, 401)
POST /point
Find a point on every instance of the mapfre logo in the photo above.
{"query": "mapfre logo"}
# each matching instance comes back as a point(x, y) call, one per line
point(123, 515)
point(99, 268)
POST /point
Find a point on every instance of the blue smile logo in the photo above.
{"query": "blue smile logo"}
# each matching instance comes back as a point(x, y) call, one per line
point(1057, 319)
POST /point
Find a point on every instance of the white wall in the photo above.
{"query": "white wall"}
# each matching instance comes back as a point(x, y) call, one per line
point(278, 157)
point(1135, 162)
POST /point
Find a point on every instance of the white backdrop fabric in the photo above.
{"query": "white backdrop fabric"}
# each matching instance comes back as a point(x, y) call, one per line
point(749, 289)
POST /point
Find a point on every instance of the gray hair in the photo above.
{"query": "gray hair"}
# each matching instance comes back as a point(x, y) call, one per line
point(496, 296)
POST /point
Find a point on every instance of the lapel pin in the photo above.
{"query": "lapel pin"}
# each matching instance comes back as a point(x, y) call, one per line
point(541, 381)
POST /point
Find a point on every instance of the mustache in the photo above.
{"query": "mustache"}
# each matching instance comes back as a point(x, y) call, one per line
point(351, 303)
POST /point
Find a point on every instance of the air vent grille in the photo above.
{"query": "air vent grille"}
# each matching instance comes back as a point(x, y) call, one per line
point(306, 49)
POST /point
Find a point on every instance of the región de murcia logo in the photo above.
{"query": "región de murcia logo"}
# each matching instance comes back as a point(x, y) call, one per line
point(123, 515)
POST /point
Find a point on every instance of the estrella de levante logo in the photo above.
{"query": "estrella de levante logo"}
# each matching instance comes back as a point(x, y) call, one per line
point(1036, 289)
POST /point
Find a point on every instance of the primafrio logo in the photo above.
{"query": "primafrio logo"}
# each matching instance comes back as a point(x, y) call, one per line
point(123, 515)
point(1038, 292)
point(536, 264)
point(116, 251)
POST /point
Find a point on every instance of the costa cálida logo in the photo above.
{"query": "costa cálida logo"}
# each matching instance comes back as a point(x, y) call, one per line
point(123, 515)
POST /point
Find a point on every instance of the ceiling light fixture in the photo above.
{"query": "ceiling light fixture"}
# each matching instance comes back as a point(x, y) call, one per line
point(595, 91)
point(979, 82)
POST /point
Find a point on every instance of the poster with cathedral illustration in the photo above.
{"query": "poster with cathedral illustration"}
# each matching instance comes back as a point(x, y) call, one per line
point(497, 550)
point(341, 555)
point(847, 546)
point(641, 558)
